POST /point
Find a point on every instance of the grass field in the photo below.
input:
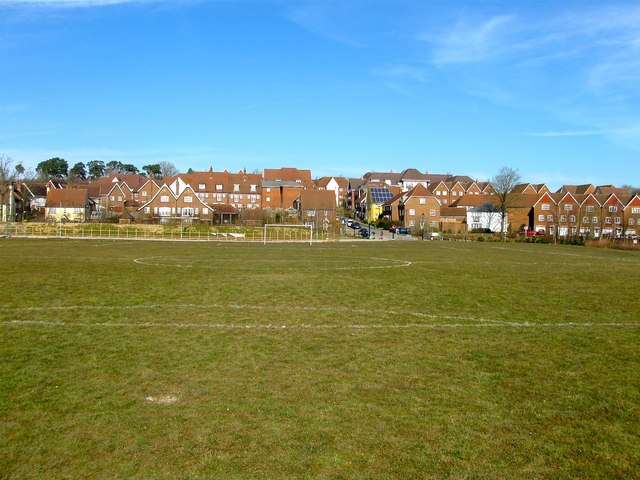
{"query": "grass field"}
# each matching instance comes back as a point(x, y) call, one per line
point(124, 359)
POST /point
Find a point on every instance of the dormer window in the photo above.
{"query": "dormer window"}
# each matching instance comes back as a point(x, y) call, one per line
point(219, 186)
point(202, 186)
point(236, 187)
point(254, 188)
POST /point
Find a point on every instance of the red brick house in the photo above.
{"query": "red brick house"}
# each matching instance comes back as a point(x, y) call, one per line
point(166, 205)
point(317, 207)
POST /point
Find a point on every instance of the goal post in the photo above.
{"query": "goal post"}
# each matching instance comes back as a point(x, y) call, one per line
point(277, 232)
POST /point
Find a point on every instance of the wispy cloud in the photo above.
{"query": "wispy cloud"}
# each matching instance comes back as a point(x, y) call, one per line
point(13, 108)
point(570, 133)
point(403, 72)
point(467, 42)
point(580, 66)
point(73, 3)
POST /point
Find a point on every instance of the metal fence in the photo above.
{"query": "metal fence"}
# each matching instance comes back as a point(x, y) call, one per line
point(127, 232)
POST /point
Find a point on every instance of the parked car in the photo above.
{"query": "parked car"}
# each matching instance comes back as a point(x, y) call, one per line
point(364, 232)
point(355, 225)
point(527, 233)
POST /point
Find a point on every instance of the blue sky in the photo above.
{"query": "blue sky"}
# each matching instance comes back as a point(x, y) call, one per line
point(339, 87)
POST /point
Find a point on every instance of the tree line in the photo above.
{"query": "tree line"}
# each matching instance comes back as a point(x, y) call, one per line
point(59, 168)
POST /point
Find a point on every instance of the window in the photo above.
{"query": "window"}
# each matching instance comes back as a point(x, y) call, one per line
point(236, 198)
point(147, 209)
point(563, 218)
point(236, 187)
point(585, 219)
point(219, 197)
point(197, 211)
point(268, 199)
point(607, 220)
point(444, 201)
point(254, 188)
point(144, 194)
point(187, 212)
point(77, 210)
point(432, 223)
point(454, 193)
point(173, 210)
point(572, 218)
point(617, 220)
point(568, 207)
point(202, 186)
point(112, 198)
point(119, 198)
point(438, 193)
point(253, 198)
point(591, 208)
point(188, 199)
point(432, 213)
point(268, 189)
point(541, 218)
point(164, 198)
point(412, 223)
point(635, 209)
point(613, 208)
point(155, 210)
point(423, 201)
point(165, 211)
point(412, 212)
point(549, 218)
point(475, 218)
point(596, 219)
point(631, 221)
point(545, 206)
point(218, 186)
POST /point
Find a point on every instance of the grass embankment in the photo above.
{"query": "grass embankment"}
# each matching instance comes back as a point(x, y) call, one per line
point(369, 360)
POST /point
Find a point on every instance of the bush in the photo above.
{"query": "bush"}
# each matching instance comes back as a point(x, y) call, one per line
point(384, 223)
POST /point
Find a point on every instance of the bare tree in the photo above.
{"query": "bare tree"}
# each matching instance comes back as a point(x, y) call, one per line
point(7, 175)
point(503, 183)
point(167, 169)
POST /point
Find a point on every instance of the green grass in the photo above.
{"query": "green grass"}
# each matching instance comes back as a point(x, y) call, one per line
point(350, 360)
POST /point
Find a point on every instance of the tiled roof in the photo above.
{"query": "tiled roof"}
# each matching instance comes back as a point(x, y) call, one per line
point(224, 208)
point(453, 212)
point(69, 198)
point(609, 189)
point(287, 174)
point(317, 200)
point(473, 200)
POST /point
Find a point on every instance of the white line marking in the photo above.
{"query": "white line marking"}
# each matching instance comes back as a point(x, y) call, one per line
point(149, 261)
point(631, 260)
point(347, 310)
point(305, 326)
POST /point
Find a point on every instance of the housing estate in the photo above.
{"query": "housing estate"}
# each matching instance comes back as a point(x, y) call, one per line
point(422, 201)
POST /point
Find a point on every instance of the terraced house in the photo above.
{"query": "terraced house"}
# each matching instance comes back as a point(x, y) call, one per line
point(411, 198)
